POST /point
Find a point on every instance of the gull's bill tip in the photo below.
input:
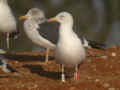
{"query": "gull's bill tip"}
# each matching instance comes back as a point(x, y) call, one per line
point(22, 18)
point(52, 20)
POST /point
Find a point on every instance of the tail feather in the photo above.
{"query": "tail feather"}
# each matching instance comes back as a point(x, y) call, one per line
point(96, 45)
point(92, 44)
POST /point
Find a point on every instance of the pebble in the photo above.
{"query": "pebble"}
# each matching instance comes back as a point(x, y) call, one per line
point(106, 85)
point(97, 80)
point(113, 54)
point(104, 57)
point(111, 89)
point(72, 88)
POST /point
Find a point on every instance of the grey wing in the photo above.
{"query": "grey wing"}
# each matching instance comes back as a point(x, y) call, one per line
point(49, 31)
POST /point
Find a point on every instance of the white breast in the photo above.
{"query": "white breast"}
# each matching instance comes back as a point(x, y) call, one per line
point(7, 20)
point(69, 48)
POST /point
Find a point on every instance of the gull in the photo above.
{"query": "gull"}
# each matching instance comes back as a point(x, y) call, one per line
point(7, 20)
point(69, 51)
point(32, 21)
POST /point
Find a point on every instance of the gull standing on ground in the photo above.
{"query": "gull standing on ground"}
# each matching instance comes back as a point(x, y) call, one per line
point(69, 50)
point(33, 19)
point(7, 20)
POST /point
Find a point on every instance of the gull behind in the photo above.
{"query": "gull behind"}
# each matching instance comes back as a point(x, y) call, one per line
point(34, 18)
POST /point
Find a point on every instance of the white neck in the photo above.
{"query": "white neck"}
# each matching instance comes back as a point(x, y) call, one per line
point(65, 32)
point(65, 29)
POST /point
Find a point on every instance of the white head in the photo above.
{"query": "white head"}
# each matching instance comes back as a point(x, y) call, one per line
point(35, 14)
point(3, 1)
point(63, 18)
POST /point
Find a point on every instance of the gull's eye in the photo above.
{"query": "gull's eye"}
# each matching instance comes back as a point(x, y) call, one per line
point(61, 17)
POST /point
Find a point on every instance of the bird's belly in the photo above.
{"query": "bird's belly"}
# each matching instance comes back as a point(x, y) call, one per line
point(8, 22)
point(7, 28)
point(70, 56)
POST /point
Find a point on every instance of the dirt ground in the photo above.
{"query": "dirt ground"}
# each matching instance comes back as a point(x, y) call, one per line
point(100, 71)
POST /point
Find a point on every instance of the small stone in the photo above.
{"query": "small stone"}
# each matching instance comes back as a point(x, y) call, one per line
point(72, 88)
point(106, 85)
point(104, 57)
point(35, 86)
point(113, 54)
point(111, 66)
point(97, 80)
point(16, 62)
point(89, 60)
point(111, 89)
point(89, 77)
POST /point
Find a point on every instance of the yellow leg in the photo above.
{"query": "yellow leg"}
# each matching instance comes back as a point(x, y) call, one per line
point(8, 46)
point(63, 74)
point(1, 43)
point(47, 55)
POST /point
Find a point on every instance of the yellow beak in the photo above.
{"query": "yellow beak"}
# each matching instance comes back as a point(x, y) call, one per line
point(52, 20)
point(22, 18)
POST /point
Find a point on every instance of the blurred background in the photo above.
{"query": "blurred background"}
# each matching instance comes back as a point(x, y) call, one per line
point(98, 20)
